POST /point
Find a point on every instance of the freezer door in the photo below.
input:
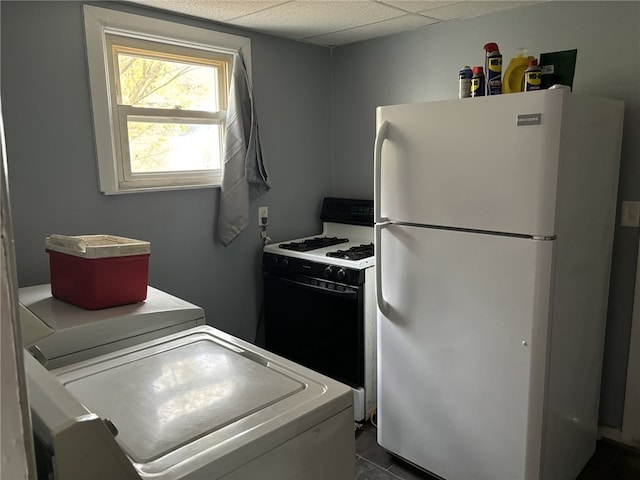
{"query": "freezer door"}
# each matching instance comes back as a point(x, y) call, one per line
point(488, 163)
point(461, 351)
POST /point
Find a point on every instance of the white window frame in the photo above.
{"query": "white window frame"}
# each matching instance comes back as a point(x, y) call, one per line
point(98, 23)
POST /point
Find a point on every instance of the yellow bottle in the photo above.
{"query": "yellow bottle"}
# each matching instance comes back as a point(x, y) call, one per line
point(513, 78)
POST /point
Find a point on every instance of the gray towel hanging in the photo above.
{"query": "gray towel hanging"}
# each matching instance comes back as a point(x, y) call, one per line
point(244, 175)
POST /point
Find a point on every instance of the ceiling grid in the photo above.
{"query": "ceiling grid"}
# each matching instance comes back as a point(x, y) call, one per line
point(331, 22)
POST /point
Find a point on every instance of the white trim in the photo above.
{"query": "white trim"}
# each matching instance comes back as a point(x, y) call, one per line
point(99, 21)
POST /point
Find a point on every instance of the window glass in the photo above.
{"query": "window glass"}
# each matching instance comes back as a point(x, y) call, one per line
point(145, 80)
point(171, 147)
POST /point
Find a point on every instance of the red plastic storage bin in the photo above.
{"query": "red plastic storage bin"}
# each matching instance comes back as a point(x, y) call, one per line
point(98, 271)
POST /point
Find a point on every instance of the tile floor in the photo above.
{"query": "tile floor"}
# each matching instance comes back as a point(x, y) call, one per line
point(610, 462)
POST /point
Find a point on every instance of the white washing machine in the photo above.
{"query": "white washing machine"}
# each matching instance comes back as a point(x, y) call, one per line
point(198, 404)
point(58, 333)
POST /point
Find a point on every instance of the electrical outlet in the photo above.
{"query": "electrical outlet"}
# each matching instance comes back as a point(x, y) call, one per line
point(263, 216)
point(630, 214)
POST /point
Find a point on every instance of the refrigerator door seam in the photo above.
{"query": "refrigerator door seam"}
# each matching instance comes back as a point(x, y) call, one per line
point(387, 222)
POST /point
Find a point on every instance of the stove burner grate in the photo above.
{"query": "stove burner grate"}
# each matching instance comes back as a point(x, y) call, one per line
point(313, 243)
point(354, 253)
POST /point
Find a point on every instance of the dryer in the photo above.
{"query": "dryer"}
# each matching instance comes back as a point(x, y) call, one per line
point(58, 333)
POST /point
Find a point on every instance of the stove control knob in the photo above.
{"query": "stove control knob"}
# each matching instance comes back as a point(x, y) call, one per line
point(284, 263)
point(328, 272)
point(341, 274)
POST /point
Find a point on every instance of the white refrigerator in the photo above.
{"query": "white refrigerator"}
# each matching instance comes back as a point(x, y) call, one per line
point(494, 227)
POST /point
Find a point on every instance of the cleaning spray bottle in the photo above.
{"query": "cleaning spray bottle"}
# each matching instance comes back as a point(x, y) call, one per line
point(477, 82)
point(532, 76)
point(464, 82)
point(493, 68)
point(513, 79)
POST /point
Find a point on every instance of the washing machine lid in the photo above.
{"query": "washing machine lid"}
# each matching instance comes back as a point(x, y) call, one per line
point(68, 329)
point(200, 397)
point(173, 397)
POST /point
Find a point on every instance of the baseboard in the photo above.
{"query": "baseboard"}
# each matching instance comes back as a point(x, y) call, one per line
point(618, 436)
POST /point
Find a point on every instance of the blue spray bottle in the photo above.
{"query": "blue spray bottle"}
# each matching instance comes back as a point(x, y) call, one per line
point(493, 68)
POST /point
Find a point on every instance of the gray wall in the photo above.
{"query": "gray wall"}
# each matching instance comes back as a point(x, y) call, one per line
point(423, 66)
point(53, 174)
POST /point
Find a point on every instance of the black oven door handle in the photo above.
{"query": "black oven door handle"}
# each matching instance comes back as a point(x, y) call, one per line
point(348, 292)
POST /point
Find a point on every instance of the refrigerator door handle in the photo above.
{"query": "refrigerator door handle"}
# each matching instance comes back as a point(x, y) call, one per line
point(383, 306)
point(381, 136)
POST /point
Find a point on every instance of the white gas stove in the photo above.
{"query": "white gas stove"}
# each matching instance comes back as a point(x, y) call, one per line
point(339, 244)
point(319, 300)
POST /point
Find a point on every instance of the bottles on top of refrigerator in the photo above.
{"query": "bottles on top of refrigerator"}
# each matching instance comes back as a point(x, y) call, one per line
point(513, 79)
point(493, 67)
point(477, 82)
point(532, 76)
point(464, 82)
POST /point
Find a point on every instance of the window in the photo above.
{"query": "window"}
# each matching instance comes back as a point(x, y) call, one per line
point(159, 96)
point(169, 111)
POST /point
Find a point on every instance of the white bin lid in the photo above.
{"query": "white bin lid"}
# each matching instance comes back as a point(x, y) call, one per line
point(161, 402)
point(97, 246)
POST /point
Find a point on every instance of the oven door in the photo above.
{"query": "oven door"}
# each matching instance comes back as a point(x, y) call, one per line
point(316, 323)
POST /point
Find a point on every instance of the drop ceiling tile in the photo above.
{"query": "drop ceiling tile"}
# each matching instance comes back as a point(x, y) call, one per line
point(240, 8)
point(217, 10)
point(418, 5)
point(470, 9)
point(328, 22)
point(308, 18)
point(380, 29)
